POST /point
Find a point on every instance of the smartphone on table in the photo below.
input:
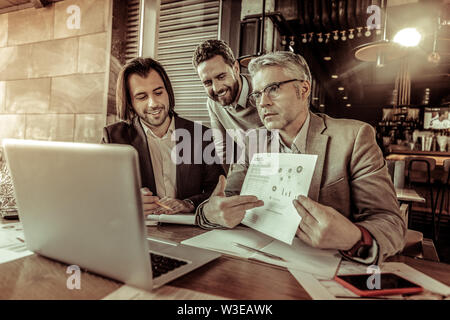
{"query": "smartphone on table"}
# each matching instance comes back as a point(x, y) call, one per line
point(364, 285)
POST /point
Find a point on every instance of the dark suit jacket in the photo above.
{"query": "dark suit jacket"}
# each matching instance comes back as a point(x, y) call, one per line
point(193, 181)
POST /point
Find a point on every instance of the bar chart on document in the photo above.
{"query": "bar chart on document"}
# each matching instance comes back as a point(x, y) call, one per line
point(277, 179)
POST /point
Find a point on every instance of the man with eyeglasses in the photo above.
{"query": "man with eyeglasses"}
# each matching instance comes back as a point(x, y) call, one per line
point(351, 204)
point(229, 109)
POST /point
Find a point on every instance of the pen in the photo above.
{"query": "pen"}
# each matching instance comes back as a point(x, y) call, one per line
point(163, 205)
point(269, 255)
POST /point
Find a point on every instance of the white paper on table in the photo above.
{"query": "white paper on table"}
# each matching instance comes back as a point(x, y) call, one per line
point(166, 292)
point(277, 179)
point(12, 244)
point(312, 286)
point(350, 267)
point(188, 219)
point(14, 252)
point(223, 241)
point(298, 256)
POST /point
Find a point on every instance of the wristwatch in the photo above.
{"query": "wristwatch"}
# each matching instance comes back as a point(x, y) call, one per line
point(361, 248)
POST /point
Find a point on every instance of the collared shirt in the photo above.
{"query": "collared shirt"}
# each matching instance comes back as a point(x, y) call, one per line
point(164, 169)
point(242, 101)
point(299, 143)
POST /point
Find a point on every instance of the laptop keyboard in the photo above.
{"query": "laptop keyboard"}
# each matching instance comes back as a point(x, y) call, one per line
point(162, 264)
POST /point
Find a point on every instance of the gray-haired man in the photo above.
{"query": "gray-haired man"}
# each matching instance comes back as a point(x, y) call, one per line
point(351, 205)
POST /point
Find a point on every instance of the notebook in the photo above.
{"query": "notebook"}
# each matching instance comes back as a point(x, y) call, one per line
point(80, 204)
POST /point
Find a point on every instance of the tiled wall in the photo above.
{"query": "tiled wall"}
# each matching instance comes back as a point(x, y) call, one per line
point(54, 79)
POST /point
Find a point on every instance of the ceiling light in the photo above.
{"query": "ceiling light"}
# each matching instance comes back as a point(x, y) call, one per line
point(334, 76)
point(348, 105)
point(327, 58)
point(408, 37)
point(345, 98)
point(341, 88)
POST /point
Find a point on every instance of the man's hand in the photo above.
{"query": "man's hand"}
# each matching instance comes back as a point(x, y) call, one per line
point(148, 201)
point(176, 206)
point(228, 211)
point(324, 227)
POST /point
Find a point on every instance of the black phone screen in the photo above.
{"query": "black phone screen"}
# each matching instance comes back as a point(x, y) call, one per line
point(387, 281)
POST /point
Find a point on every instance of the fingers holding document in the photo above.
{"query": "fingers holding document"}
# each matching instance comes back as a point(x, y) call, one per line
point(229, 211)
point(323, 226)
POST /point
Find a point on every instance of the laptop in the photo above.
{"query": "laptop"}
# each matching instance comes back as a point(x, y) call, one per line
point(80, 204)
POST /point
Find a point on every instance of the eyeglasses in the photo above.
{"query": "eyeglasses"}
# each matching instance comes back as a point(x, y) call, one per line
point(272, 91)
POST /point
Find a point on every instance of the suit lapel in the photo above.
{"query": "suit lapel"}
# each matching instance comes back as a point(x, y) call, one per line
point(316, 143)
point(138, 140)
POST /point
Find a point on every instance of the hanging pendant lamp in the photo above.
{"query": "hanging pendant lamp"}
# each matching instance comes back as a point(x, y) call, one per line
point(381, 51)
point(245, 60)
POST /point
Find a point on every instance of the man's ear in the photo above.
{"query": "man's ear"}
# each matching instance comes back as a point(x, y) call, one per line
point(306, 89)
point(237, 67)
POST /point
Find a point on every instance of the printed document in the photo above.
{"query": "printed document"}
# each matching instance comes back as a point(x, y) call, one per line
point(298, 256)
point(277, 179)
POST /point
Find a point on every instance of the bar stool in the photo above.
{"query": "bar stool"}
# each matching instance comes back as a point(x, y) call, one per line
point(418, 173)
point(444, 192)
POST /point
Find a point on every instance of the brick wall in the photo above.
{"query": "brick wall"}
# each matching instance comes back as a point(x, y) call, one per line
point(54, 79)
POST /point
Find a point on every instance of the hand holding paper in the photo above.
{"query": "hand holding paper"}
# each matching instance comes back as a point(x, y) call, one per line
point(228, 211)
point(323, 227)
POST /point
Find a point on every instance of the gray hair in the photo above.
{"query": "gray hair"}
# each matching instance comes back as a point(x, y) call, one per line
point(294, 64)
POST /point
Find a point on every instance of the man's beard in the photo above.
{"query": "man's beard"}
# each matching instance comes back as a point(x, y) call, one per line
point(159, 120)
point(230, 95)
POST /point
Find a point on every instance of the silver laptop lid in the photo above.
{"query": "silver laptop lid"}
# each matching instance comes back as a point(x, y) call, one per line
point(73, 195)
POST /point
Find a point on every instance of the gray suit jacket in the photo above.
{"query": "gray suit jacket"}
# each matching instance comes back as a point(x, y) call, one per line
point(351, 176)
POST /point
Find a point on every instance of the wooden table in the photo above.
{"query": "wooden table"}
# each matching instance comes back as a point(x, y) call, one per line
point(409, 195)
point(36, 277)
point(438, 157)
